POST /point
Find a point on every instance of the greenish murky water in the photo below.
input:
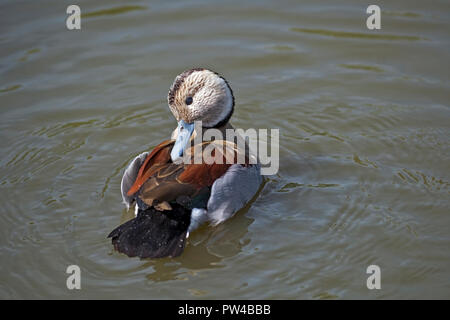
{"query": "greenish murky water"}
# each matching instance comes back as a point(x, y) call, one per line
point(364, 125)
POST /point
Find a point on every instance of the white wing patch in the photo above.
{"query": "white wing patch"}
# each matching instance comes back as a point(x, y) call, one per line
point(198, 217)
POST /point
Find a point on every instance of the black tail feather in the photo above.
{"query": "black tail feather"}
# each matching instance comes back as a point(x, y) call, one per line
point(153, 233)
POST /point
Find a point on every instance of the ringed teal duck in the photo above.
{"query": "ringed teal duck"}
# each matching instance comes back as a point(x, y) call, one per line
point(173, 197)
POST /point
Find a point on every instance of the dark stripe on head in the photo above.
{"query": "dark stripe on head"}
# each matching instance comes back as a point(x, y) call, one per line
point(178, 82)
point(227, 118)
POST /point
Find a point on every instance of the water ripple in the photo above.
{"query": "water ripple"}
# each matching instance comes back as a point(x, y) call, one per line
point(355, 35)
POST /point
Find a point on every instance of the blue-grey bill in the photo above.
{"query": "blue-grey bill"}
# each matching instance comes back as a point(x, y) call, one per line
point(184, 135)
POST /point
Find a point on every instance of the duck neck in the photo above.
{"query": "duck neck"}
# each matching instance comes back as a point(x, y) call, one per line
point(223, 130)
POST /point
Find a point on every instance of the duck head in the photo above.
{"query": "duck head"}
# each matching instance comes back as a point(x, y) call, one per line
point(198, 95)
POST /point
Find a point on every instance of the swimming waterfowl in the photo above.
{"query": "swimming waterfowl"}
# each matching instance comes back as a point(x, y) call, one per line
point(172, 196)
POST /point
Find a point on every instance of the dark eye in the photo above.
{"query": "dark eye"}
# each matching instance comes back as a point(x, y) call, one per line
point(188, 100)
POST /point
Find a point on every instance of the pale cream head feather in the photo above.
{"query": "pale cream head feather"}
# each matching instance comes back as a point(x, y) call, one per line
point(201, 94)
